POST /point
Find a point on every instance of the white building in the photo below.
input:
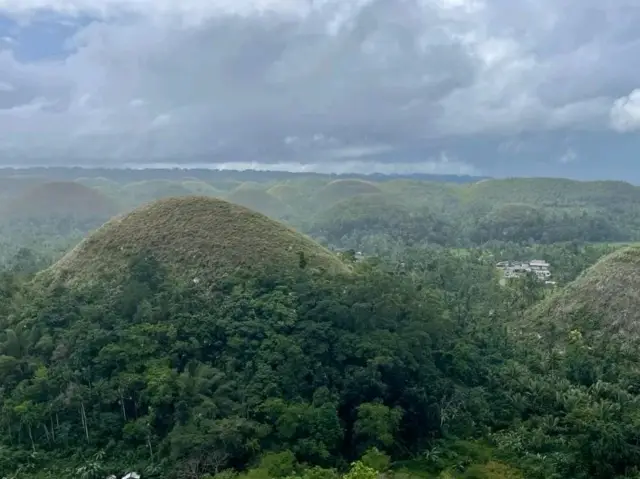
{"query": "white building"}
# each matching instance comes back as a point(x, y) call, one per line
point(516, 269)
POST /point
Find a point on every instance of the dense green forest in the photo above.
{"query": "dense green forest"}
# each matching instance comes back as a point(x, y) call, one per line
point(193, 338)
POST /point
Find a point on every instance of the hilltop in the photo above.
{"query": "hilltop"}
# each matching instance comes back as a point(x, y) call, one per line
point(141, 192)
point(200, 188)
point(11, 186)
point(194, 237)
point(605, 297)
point(259, 200)
point(57, 199)
point(287, 193)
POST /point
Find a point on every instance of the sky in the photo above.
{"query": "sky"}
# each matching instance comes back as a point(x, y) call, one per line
point(481, 87)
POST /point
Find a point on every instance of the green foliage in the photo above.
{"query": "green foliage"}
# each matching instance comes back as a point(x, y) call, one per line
point(377, 424)
point(377, 460)
point(417, 361)
point(359, 470)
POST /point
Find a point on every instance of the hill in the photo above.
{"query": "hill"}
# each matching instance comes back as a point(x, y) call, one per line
point(13, 185)
point(195, 237)
point(338, 190)
point(144, 191)
point(355, 222)
point(201, 188)
point(60, 199)
point(287, 193)
point(604, 298)
point(97, 182)
point(259, 200)
point(435, 195)
point(552, 192)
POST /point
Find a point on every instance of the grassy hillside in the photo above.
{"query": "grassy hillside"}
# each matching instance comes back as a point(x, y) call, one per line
point(552, 192)
point(97, 182)
point(607, 296)
point(201, 188)
point(195, 237)
point(437, 196)
point(141, 192)
point(259, 200)
point(13, 185)
point(287, 193)
point(56, 199)
point(356, 221)
point(339, 190)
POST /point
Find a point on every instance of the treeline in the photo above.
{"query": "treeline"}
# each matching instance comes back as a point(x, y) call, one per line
point(356, 225)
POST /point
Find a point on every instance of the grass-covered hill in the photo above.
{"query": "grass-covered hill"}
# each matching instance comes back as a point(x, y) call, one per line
point(258, 199)
point(603, 300)
point(288, 193)
point(97, 182)
point(193, 237)
point(141, 192)
point(539, 210)
point(357, 219)
point(13, 185)
point(201, 188)
point(437, 196)
point(552, 192)
point(339, 190)
point(59, 199)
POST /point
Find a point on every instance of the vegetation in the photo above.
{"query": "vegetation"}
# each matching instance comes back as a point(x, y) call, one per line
point(608, 294)
point(259, 200)
point(201, 188)
point(196, 238)
point(338, 190)
point(141, 192)
point(358, 220)
point(59, 199)
point(193, 338)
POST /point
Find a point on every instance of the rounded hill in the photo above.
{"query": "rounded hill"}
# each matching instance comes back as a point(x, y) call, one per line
point(193, 237)
point(258, 200)
point(427, 193)
point(339, 190)
point(201, 188)
point(374, 210)
point(97, 182)
point(604, 298)
point(14, 185)
point(144, 191)
point(61, 198)
point(286, 193)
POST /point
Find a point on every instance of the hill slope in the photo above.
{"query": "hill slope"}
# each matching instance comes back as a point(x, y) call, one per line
point(62, 198)
point(258, 200)
point(339, 190)
point(193, 236)
point(606, 297)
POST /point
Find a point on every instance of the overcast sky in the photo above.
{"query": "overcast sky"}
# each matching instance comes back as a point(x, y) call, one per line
point(493, 87)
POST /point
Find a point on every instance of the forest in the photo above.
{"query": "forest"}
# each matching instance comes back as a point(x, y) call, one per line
point(223, 326)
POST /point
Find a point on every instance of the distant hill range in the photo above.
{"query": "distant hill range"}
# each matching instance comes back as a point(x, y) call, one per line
point(131, 174)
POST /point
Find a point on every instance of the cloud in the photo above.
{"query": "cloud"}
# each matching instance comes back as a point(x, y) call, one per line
point(441, 165)
point(568, 156)
point(307, 81)
point(625, 113)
